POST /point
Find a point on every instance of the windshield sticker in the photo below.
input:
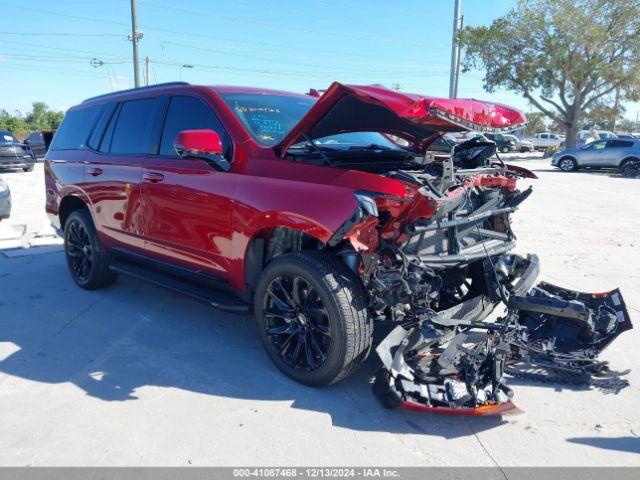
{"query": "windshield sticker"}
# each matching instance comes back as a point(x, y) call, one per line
point(267, 127)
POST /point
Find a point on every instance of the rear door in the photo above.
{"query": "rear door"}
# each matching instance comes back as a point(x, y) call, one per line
point(114, 169)
point(616, 150)
point(187, 204)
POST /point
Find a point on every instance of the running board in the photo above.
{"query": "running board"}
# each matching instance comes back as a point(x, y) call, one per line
point(209, 295)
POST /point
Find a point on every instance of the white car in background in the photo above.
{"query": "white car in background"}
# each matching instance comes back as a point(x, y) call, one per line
point(588, 136)
point(542, 141)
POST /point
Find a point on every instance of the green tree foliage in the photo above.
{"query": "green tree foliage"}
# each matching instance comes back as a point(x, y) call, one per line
point(626, 125)
point(40, 118)
point(562, 55)
point(603, 116)
point(536, 123)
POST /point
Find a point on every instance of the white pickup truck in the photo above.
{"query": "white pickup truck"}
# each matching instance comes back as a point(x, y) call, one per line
point(542, 141)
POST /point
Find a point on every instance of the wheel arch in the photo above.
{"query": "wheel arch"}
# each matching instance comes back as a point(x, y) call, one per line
point(69, 204)
point(629, 158)
point(270, 242)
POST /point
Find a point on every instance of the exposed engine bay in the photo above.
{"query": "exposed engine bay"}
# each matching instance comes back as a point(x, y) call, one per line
point(439, 264)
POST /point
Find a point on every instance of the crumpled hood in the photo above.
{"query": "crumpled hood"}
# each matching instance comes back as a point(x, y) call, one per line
point(353, 108)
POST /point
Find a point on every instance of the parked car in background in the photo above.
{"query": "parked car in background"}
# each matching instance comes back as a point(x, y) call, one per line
point(37, 143)
point(542, 141)
point(616, 153)
point(588, 136)
point(522, 145)
point(5, 200)
point(504, 143)
point(15, 154)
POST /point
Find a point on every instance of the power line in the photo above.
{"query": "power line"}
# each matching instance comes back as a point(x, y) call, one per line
point(303, 64)
point(330, 73)
point(279, 27)
point(38, 68)
point(65, 15)
point(342, 54)
point(90, 53)
point(57, 34)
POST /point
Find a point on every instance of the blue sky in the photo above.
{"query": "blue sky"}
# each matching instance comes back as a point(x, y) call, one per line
point(285, 44)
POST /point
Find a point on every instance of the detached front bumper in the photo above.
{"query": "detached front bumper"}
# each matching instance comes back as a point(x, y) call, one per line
point(453, 361)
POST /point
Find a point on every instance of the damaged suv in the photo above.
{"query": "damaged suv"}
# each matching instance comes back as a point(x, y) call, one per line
point(322, 215)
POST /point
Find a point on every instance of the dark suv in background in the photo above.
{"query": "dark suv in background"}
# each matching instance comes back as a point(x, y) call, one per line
point(503, 143)
point(15, 154)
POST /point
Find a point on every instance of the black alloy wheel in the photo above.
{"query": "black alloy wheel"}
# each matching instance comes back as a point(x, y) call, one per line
point(79, 252)
point(297, 323)
point(312, 317)
point(87, 261)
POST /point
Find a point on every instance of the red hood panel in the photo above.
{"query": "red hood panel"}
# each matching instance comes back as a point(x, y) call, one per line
point(351, 108)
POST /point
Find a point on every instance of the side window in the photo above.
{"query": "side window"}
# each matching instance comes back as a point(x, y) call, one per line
point(134, 125)
point(75, 128)
point(599, 145)
point(619, 144)
point(544, 135)
point(190, 113)
point(96, 134)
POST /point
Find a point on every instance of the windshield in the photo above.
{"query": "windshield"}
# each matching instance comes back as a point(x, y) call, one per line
point(268, 118)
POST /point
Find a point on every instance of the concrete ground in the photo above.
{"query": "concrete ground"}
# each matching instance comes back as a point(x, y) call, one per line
point(133, 375)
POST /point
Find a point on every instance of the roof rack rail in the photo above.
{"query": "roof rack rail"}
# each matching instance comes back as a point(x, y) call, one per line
point(150, 87)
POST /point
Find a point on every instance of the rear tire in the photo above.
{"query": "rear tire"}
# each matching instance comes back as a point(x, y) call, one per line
point(87, 260)
point(312, 317)
point(28, 169)
point(505, 149)
point(567, 164)
point(630, 168)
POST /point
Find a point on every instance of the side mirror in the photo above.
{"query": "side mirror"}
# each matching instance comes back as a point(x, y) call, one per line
point(203, 144)
point(27, 141)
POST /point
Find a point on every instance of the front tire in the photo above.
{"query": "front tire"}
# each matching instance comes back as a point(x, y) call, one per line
point(567, 164)
point(505, 149)
point(87, 261)
point(28, 169)
point(312, 317)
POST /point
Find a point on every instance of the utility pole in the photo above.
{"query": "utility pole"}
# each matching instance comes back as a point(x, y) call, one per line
point(455, 48)
point(455, 88)
point(147, 64)
point(135, 38)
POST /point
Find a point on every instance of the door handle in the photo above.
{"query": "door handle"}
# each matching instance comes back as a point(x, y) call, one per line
point(95, 171)
point(153, 177)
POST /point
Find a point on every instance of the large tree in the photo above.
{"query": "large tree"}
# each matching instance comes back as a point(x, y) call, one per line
point(562, 55)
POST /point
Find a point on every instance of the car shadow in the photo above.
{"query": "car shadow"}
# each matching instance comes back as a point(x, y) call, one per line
point(621, 444)
point(112, 343)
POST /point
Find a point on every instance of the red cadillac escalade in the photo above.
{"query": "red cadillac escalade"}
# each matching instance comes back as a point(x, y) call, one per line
point(322, 215)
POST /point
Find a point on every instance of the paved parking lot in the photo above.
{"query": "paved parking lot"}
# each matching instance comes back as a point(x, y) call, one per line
point(133, 375)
